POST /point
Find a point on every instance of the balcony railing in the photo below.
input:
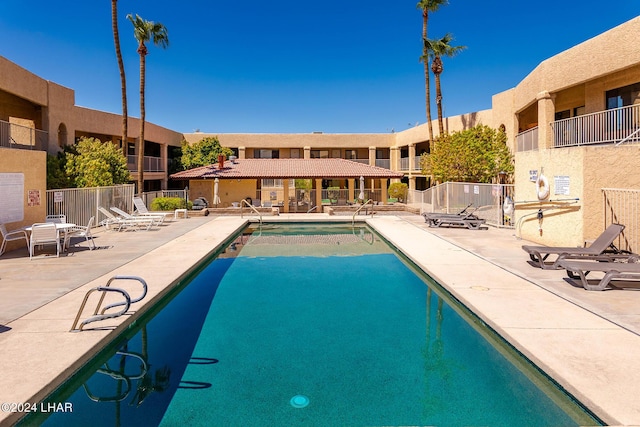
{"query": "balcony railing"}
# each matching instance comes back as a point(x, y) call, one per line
point(383, 163)
point(527, 140)
point(151, 164)
point(603, 127)
point(404, 163)
point(16, 136)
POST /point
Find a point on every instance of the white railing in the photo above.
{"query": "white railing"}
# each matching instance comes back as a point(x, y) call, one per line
point(404, 163)
point(452, 197)
point(527, 140)
point(80, 204)
point(16, 136)
point(603, 127)
point(151, 164)
point(622, 206)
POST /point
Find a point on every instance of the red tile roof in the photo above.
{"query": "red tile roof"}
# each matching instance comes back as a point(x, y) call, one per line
point(287, 168)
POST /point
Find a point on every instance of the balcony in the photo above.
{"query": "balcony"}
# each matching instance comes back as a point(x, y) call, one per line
point(616, 125)
point(22, 137)
point(527, 140)
point(151, 164)
point(404, 163)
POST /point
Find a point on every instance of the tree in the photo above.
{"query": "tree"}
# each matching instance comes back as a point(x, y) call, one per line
point(145, 31)
point(478, 154)
point(398, 190)
point(92, 163)
point(56, 175)
point(202, 153)
point(123, 80)
point(428, 6)
point(438, 48)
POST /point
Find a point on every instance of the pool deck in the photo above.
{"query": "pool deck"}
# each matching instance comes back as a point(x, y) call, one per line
point(587, 341)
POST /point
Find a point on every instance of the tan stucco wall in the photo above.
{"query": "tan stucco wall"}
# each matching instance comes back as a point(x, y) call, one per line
point(561, 227)
point(33, 164)
point(297, 140)
point(607, 167)
point(230, 190)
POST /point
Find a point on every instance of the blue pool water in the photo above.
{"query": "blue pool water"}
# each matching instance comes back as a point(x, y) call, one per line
point(319, 327)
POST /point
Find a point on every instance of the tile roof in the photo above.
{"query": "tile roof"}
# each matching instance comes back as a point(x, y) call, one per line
point(287, 168)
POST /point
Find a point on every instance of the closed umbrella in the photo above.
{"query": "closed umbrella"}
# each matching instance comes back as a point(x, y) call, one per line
point(216, 198)
point(361, 196)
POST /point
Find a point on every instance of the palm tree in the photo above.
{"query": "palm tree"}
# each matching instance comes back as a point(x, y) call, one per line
point(428, 6)
point(123, 80)
point(145, 31)
point(438, 48)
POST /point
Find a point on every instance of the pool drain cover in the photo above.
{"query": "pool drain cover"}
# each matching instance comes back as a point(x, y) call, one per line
point(299, 401)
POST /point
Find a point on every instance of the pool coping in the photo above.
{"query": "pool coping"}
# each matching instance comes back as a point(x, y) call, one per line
point(534, 321)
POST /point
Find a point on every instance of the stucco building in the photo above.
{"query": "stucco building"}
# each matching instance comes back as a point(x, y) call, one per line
point(572, 120)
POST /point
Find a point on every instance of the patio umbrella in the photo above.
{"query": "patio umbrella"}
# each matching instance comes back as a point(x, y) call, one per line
point(361, 196)
point(216, 198)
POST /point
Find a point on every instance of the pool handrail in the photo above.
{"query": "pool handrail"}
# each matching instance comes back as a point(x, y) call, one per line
point(245, 202)
point(353, 218)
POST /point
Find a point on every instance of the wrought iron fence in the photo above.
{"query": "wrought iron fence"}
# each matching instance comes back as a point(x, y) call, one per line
point(622, 206)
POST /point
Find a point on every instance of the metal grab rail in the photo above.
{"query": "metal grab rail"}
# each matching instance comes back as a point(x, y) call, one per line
point(245, 202)
point(353, 218)
point(104, 289)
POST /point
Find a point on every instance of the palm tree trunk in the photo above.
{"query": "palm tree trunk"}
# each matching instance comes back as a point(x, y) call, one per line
point(439, 104)
point(123, 80)
point(427, 84)
point(142, 118)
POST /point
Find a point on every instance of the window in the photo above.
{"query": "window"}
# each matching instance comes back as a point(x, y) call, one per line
point(623, 96)
point(350, 154)
point(319, 154)
point(266, 154)
point(295, 153)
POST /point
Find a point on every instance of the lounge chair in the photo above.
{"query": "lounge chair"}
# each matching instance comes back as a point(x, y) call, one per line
point(612, 270)
point(58, 219)
point(462, 218)
point(42, 234)
point(10, 236)
point(141, 210)
point(601, 249)
point(120, 223)
point(127, 220)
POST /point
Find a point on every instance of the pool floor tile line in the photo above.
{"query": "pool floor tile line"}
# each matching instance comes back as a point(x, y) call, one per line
point(593, 363)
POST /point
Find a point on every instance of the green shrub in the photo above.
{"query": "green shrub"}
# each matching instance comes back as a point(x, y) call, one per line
point(169, 204)
point(398, 190)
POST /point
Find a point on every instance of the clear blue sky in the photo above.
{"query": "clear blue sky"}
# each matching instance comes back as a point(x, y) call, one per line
point(288, 66)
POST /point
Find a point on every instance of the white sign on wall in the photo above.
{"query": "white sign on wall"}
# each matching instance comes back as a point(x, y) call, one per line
point(533, 175)
point(561, 185)
point(11, 197)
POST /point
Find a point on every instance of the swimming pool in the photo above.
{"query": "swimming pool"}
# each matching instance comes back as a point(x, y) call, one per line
point(313, 325)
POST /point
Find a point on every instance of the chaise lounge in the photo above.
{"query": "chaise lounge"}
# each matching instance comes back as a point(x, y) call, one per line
point(611, 270)
point(462, 218)
point(602, 249)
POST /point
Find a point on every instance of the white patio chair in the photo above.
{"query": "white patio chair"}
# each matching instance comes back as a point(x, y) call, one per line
point(81, 231)
point(44, 234)
point(60, 219)
point(10, 236)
